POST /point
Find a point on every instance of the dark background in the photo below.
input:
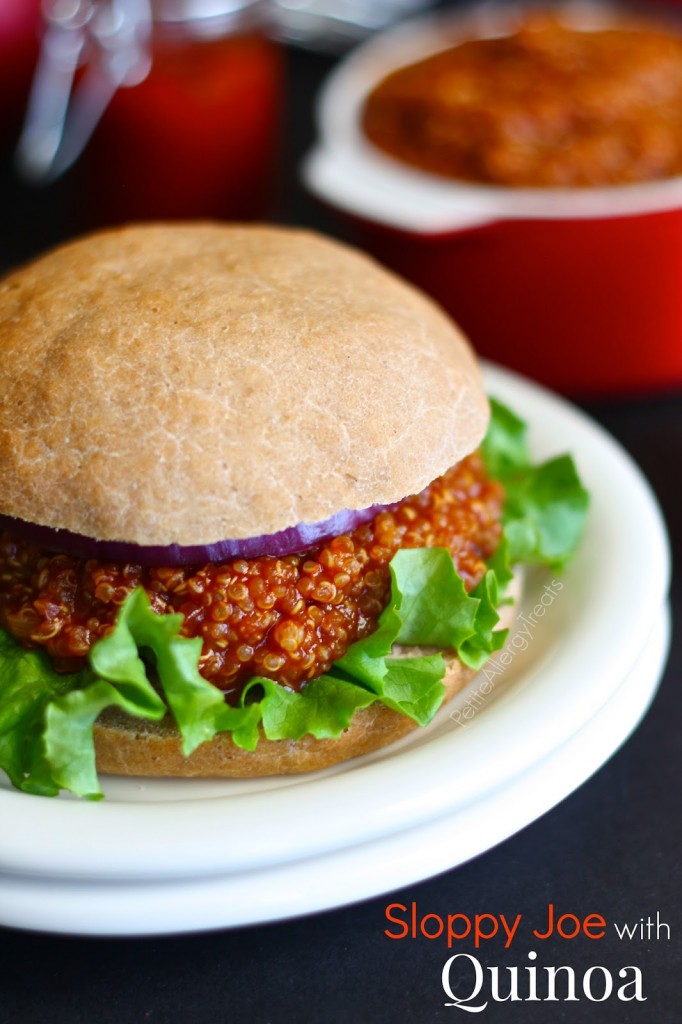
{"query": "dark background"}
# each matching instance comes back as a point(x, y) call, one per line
point(611, 848)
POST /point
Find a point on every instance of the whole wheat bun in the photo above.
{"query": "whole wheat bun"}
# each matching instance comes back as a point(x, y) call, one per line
point(127, 746)
point(185, 384)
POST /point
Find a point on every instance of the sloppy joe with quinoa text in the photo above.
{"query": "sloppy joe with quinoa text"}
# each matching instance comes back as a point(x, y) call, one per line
point(283, 618)
point(546, 106)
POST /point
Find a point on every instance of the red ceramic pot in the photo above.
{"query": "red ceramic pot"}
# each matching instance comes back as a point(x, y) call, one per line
point(578, 288)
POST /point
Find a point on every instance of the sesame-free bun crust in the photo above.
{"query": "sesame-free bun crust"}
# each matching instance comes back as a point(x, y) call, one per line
point(184, 384)
point(127, 746)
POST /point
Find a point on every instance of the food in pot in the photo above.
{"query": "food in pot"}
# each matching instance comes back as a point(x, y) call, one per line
point(548, 105)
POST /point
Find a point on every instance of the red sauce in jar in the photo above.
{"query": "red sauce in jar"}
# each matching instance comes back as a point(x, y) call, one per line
point(196, 138)
point(284, 618)
point(546, 106)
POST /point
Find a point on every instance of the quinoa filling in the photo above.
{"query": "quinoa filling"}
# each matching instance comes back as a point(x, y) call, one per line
point(286, 619)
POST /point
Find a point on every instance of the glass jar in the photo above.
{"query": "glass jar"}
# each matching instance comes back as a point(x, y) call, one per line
point(197, 137)
point(167, 108)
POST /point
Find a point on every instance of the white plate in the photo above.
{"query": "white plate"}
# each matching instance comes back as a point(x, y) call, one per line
point(351, 874)
point(578, 654)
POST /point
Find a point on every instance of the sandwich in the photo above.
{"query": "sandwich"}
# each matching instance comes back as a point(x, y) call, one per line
point(255, 515)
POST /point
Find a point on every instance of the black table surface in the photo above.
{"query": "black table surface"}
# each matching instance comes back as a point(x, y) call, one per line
point(612, 847)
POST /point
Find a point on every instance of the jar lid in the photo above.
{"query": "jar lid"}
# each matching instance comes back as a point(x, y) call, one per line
point(207, 17)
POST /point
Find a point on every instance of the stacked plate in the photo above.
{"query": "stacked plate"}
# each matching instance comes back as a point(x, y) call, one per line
point(585, 655)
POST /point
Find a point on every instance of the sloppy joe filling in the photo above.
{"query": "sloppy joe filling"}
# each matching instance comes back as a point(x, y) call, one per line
point(545, 106)
point(284, 618)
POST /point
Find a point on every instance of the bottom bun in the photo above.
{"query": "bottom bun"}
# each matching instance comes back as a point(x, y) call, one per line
point(131, 746)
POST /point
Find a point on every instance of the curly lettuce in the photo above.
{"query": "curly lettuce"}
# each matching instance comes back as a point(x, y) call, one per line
point(545, 505)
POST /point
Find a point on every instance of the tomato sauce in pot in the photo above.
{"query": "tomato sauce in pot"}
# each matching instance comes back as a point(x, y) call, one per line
point(547, 106)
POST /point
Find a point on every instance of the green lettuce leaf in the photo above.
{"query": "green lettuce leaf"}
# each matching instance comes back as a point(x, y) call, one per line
point(429, 607)
point(545, 506)
point(413, 687)
point(323, 709)
point(192, 700)
point(477, 648)
point(504, 446)
point(27, 686)
point(68, 739)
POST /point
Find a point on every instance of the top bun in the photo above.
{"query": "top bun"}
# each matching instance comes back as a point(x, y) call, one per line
point(184, 384)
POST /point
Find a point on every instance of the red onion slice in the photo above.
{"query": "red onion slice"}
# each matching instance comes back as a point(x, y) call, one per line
point(293, 540)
